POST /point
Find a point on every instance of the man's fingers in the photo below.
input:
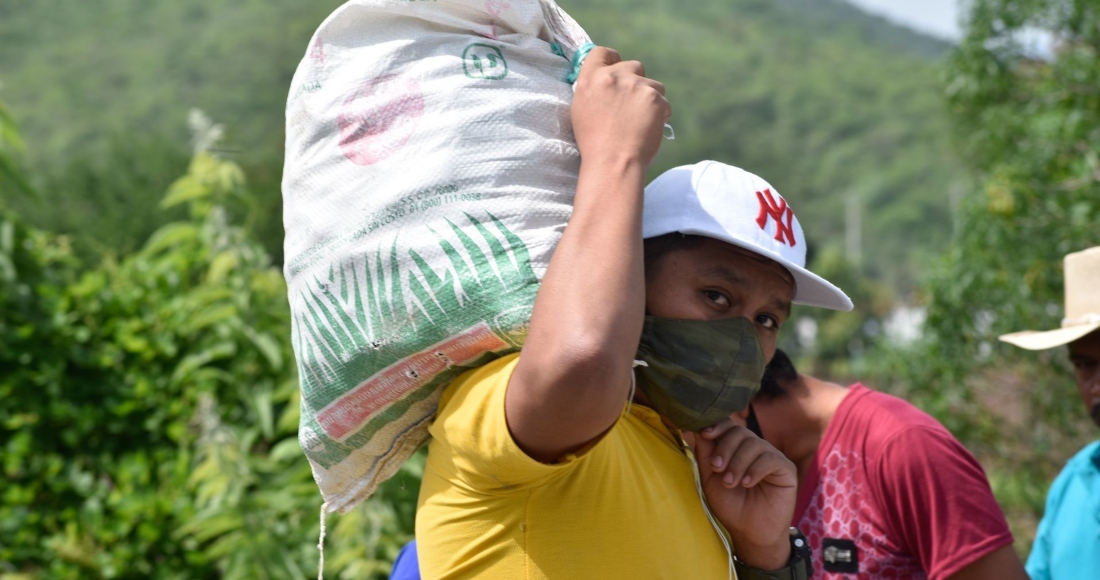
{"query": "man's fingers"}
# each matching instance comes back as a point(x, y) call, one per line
point(729, 446)
point(657, 86)
point(617, 111)
point(772, 467)
point(748, 450)
point(741, 459)
point(718, 429)
point(659, 94)
point(633, 67)
point(755, 460)
point(601, 56)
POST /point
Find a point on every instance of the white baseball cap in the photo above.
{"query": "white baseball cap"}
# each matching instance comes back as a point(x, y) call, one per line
point(730, 204)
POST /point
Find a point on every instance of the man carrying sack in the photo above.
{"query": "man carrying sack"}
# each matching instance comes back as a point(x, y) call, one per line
point(1068, 541)
point(549, 464)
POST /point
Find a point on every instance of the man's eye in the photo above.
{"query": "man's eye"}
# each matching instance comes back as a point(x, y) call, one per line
point(717, 297)
point(766, 321)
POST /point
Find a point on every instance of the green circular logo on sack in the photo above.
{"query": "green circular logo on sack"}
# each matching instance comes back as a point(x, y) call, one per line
point(482, 61)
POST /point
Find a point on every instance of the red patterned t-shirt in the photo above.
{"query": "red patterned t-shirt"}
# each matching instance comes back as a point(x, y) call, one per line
point(892, 494)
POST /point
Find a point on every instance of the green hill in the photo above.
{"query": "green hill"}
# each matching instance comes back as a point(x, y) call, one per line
point(817, 101)
point(824, 101)
point(103, 89)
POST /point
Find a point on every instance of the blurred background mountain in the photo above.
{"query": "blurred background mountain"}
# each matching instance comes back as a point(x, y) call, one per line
point(841, 111)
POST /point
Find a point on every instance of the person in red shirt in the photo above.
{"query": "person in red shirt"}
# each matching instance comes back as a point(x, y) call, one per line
point(885, 491)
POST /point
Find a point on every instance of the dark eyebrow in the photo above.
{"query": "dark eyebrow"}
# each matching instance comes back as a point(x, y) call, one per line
point(784, 307)
point(725, 274)
point(736, 280)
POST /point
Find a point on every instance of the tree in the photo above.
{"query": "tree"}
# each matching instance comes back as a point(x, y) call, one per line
point(11, 146)
point(1029, 123)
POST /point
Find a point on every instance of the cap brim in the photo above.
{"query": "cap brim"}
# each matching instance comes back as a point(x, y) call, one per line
point(813, 290)
point(1036, 340)
point(810, 289)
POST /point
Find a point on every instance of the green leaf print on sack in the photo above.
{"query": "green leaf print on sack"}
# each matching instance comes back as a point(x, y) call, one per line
point(368, 351)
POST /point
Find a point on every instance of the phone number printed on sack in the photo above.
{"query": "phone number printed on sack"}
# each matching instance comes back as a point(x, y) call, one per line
point(346, 415)
point(419, 201)
point(422, 200)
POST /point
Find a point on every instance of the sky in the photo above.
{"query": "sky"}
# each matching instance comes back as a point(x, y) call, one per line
point(937, 18)
point(940, 18)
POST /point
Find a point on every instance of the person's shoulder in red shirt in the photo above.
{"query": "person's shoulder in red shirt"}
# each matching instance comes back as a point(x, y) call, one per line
point(885, 491)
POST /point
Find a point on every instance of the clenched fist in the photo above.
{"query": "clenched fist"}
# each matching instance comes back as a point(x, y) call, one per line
point(618, 114)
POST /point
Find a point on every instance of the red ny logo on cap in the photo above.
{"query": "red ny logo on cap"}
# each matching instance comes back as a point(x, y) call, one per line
point(778, 212)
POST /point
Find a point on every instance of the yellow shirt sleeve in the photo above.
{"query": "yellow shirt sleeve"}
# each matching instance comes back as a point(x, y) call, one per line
point(471, 444)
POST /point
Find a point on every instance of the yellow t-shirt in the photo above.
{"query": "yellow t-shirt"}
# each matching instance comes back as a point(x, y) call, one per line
point(626, 507)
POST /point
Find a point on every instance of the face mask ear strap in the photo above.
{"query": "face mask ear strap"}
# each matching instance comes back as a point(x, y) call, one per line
point(752, 424)
point(633, 383)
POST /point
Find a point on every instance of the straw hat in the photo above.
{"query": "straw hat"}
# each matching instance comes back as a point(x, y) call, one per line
point(1082, 305)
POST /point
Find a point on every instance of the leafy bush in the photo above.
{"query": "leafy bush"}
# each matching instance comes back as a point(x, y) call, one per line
point(11, 147)
point(149, 407)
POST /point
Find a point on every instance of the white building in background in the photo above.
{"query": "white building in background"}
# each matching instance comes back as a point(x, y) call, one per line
point(904, 325)
point(805, 328)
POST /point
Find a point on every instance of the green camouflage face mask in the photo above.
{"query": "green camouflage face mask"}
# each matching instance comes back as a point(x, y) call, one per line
point(697, 372)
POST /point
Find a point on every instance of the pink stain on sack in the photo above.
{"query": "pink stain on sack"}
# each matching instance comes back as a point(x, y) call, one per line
point(495, 8)
point(317, 52)
point(346, 415)
point(379, 118)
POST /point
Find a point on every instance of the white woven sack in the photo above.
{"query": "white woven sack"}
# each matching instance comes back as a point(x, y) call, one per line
point(430, 171)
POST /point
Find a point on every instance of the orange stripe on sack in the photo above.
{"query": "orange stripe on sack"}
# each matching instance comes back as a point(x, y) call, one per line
point(349, 413)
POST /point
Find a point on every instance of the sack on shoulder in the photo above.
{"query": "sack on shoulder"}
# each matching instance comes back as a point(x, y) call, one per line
point(430, 171)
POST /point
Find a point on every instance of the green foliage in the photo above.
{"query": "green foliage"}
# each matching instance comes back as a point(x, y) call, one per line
point(1030, 127)
point(11, 146)
point(101, 198)
point(149, 410)
point(103, 89)
point(841, 338)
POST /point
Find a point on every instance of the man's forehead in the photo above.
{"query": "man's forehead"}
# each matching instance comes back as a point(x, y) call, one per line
point(728, 257)
point(1086, 346)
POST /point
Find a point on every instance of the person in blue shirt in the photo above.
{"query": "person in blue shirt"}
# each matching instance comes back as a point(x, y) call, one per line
point(1068, 541)
point(406, 566)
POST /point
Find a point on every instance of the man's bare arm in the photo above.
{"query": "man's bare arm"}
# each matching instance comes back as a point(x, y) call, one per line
point(573, 375)
point(1001, 564)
